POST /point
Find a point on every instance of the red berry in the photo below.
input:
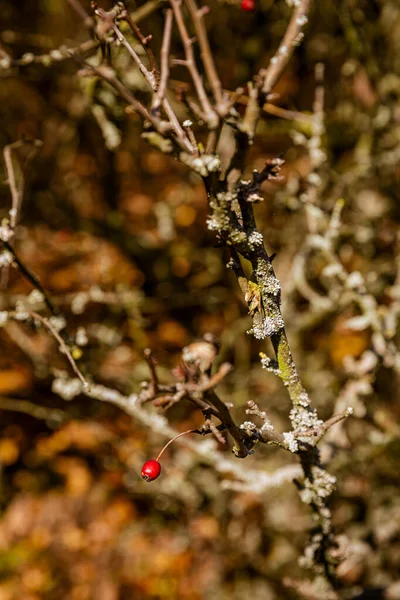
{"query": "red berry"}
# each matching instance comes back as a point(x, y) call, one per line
point(151, 470)
point(248, 5)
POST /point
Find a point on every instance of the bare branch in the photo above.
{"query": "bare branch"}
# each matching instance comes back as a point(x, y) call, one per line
point(284, 113)
point(63, 346)
point(319, 97)
point(150, 78)
point(210, 115)
point(152, 366)
point(64, 53)
point(331, 422)
point(33, 280)
point(148, 75)
point(206, 55)
point(291, 39)
point(15, 180)
point(33, 410)
point(164, 56)
point(147, 9)
point(216, 379)
point(225, 416)
point(162, 127)
point(78, 8)
point(142, 39)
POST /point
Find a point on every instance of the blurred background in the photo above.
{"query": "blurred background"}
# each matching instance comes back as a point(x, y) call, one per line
point(117, 234)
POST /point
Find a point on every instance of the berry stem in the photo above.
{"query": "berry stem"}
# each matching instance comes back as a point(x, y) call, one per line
point(173, 439)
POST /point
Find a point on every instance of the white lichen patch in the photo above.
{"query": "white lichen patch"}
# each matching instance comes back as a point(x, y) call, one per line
point(255, 239)
point(355, 281)
point(303, 399)
point(58, 323)
point(20, 312)
point(267, 280)
point(269, 364)
point(6, 233)
point(219, 218)
point(6, 258)
point(267, 426)
point(237, 237)
point(81, 337)
point(35, 297)
point(305, 423)
point(323, 482)
point(203, 165)
point(268, 326)
point(314, 179)
point(4, 316)
point(254, 198)
point(27, 58)
point(67, 389)
point(5, 62)
point(302, 20)
point(315, 491)
point(290, 441)
point(56, 54)
point(248, 426)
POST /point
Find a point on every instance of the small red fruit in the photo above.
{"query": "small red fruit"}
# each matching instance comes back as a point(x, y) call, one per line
point(151, 470)
point(248, 5)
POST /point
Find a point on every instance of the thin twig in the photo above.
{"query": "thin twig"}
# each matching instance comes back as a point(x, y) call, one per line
point(216, 379)
point(142, 39)
point(332, 421)
point(291, 39)
point(252, 113)
point(206, 55)
point(190, 133)
point(54, 56)
point(63, 53)
point(106, 73)
point(225, 417)
point(164, 60)
point(16, 193)
point(16, 185)
point(63, 346)
point(147, 9)
point(284, 113)
point(210, 115)
point(214, 430)
point(78, 8)
point(31, 409)
point(148, 75)
point(16, 189)
point(33, 280)
point(180, 136)
point(152, 366)
point(319, 97)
